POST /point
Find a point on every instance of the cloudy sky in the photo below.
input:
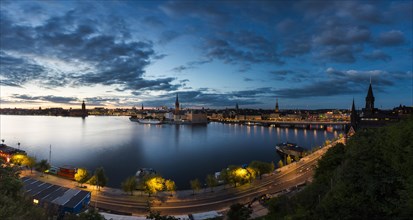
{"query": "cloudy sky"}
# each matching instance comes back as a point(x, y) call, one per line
point(114, 53)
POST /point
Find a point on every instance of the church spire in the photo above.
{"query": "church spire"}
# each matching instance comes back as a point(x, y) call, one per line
point(353, 116)
point(176, 105)
point(370, 101)
point(276, 106)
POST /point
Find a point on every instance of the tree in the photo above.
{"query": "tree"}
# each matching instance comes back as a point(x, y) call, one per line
point(42, 166)
point(99, 179)
point(211, 181)
point(261, 167)
point(170, 186)
point(289, 160)
point(195, 185)
point(81, 176)
point(13, 204)
point(280, 164)
point(18, 159)
point(296, 158)
point(239, 212)
point(153, 184)
point(130, 184)
point(30, 162)
point(225, 176)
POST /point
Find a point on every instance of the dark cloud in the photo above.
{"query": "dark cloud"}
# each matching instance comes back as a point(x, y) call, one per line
point(281, 72)
point(341, 53)
point(101, 101)
point(296, 47)
point(339, 83)
point(49, 98)
point(242, 47)
point(377, 55)
point(152, 21)
point(18, 71)
point(168, 36)
point(181, 68)
point(340, 35)
point(190, 65)
point(248, 79)
point(391, 38)
point(67, 39)
point(200, 10)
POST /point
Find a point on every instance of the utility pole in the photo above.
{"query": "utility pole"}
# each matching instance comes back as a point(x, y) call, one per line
point(50, 155)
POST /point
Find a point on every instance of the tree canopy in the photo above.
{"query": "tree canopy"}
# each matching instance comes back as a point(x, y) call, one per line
point(369, 178)
point(130, 184)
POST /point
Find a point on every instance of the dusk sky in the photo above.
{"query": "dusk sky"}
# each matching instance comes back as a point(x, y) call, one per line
point(308, 54)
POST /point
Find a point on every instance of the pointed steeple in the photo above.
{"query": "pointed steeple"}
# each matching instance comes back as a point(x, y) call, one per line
point(353, 116)
point(276, 106)
point(369, 101)
point(176, 105)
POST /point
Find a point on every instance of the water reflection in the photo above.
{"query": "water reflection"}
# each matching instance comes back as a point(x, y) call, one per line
point(178, 152)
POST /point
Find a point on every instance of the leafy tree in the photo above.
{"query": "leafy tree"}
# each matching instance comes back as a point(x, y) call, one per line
point(30, 162)
point(13, 204)
point(261, 167)
point(153, 184)
point(225, 176)
point(18, 159)
point(289, 160)
point(42, 166)
point(280, 164)
point(90, 214)
point(99, 178)
point(369, 178)
point(239, 212)
point(170, 186)
point(195, 185)
point(157, 216)
point(130, 184)
point(211, 181)
point(81, 176)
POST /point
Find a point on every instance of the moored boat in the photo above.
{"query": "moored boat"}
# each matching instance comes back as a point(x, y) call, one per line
point(149, 121)
point(292, 149)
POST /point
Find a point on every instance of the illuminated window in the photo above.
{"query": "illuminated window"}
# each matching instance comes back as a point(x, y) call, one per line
point(35, 201)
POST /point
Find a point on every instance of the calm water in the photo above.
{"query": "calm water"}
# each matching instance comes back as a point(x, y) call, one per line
point(180, 153)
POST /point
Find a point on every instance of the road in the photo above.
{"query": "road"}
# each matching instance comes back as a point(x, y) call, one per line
point(183, 202)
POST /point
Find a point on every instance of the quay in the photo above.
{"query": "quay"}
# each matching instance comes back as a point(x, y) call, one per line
point(289, 124)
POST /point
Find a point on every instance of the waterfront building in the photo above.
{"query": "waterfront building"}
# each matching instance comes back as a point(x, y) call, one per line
point(56, 199)
point(197, 117)
point(7, 152)
point(177, 114)
point(79, 112)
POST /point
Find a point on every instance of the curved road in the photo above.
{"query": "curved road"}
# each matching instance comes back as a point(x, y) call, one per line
point(183, 202)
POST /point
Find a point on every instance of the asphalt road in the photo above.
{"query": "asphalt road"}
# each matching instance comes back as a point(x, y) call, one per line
point(183, 202)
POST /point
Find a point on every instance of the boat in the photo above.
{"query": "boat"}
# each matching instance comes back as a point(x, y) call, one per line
point(284, 149)
point(133, 118)
point(142, 172)
point(149, 121)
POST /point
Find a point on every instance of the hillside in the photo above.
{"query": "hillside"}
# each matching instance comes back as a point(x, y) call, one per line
point(369, 178)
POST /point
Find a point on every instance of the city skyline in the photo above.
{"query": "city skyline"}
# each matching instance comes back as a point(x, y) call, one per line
point(308, 54)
